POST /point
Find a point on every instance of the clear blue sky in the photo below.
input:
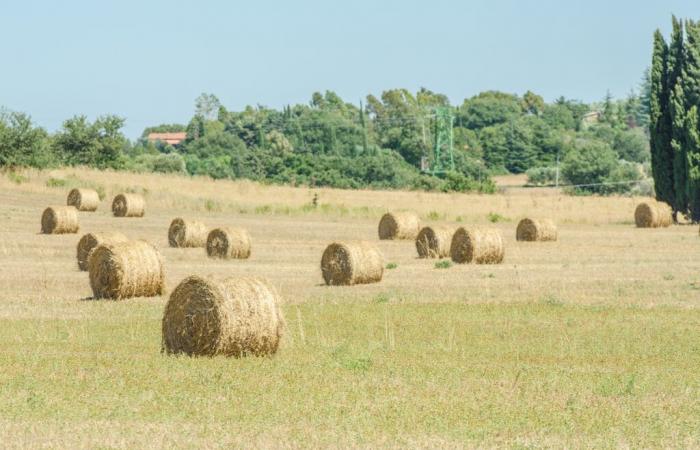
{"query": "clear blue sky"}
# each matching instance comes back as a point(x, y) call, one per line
point(148, 60)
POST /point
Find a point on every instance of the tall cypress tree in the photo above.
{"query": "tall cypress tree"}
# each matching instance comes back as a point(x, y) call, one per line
point(691, 91)
point(676, 60)
point(660, 125)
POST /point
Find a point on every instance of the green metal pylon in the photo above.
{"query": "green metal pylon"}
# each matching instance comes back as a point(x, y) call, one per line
point(443, 157)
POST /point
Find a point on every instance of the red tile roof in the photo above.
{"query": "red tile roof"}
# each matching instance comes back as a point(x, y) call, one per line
point(168, 138)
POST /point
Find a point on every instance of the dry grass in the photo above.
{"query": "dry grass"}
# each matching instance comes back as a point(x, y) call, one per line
point(556, 347)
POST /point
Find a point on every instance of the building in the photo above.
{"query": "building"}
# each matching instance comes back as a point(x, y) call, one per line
point(591, 118)
point(167, 138)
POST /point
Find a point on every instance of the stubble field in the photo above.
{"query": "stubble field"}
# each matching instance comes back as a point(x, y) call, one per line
point(593, 340)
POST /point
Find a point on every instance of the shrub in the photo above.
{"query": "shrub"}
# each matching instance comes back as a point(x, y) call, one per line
point(538, 176)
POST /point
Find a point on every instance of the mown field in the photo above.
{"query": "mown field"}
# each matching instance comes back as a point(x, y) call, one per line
point(592, 341)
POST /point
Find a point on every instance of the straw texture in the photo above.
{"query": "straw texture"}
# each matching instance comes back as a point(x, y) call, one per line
point(234, 317)
point(228, 243)
point(434, 242)
point(128, 205)
point(187, 233)
point(536, 230)
point(83, 199)
point(91, 240)
point(60, 220)
point(352, 263)
point(652, 214)
point(477, 246)
point(126, 269)
point(399, 225)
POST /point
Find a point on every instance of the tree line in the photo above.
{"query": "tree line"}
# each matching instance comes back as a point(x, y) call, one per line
point(377, 143)
point(675, 127)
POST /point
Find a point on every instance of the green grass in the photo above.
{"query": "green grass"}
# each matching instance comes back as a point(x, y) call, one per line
point(392, 265)
point(372, 374)
point(496, 218)
point(443, 264)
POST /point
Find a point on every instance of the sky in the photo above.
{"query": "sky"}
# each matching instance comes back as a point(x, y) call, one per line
point(147, 61)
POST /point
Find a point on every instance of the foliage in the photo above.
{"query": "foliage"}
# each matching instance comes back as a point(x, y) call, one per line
point(540, 176)
point(674, 127)
point(329, 142)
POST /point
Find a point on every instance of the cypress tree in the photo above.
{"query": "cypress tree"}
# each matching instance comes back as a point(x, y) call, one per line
point(691, 90)
point(677, 103)
point(660, 125)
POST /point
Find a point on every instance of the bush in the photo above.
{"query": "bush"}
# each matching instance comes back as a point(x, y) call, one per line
point(588, 165)
point(593, 168)
point(539, 176)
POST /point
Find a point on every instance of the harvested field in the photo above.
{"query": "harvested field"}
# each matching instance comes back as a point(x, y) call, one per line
point(555, 347)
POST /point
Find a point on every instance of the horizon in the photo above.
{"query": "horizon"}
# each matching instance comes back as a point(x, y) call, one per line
point(93, 60)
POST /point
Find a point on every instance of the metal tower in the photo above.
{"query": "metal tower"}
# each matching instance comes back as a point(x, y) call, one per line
point(443, 158)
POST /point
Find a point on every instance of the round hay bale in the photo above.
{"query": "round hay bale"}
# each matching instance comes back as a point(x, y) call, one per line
point(399, 225)
point(128, 205)
point(228, 243)
point(478, 246)
point(91, 240)
point(187, 233)
point(653, 214)
point(126, 269)
point(536, 230)
point(60, 220)
point(434, 242)
point(83, 199)
point(352, 263)
point(235, 317)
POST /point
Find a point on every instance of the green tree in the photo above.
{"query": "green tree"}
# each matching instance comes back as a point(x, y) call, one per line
point(676, 62)
point(488, 109)
point(660, 125)
point(207, 106)
point(23, 144)
point(691, 92)
point(99, 144)
point(589, 165)
point(532, 103)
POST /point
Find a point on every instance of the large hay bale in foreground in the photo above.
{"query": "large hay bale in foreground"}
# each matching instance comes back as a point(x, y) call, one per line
point(91, 240)
point(477, 246)
point(128, 205)
point(399, 225)
point(434, 242)
point(235, 317)
point(228, 243)
point(653, 214)
point(352, 263)
point(187, 233)
point(83, 199)
point(536, 230)
point(126, 269)
point(60, 220)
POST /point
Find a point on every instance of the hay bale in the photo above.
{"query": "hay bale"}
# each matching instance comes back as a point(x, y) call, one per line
point(399, 225)
point(83, 199)
point(352, 263)
point(434, 242)
point(60, 220)
point(228, 243)
point(235, 317)
point(536, 230)
point(478, 246)
point(187, 233)
point(128, 205)
point(652, 214)
point(126, 269)
point(91, 240)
